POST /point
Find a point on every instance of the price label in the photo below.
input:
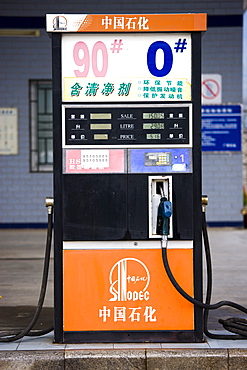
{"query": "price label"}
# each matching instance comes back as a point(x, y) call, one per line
point(120, 67)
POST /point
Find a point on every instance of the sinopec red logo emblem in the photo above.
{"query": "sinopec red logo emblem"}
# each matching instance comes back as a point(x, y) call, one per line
point(129, 280)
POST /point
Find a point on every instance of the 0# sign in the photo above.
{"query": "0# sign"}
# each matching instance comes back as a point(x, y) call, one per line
point(132, 67)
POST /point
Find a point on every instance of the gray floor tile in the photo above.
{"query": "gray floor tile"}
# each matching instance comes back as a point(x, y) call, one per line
point(185, 345)
point(89, 346)
point(39, 343)
point(136, 345)
point(12, 346)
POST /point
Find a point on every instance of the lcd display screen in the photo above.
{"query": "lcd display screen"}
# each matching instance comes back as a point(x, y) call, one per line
point(100, 137)
point(100, 115)
point(154, 115)
point(100, 126)
point(153, 126)
point(153, 136)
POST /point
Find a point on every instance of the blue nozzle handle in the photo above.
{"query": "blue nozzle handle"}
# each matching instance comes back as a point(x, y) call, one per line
point(163, 218)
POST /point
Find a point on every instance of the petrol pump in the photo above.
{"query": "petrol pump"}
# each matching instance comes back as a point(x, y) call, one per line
point(127, 176)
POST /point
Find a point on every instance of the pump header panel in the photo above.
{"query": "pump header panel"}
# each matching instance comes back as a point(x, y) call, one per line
point(111, 68)
point(126, 22)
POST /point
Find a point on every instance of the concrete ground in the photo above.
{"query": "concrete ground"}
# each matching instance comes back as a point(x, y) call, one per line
point(21, 263)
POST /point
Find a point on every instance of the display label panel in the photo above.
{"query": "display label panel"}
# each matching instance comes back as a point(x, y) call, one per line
point(107, 68)
point(94, 161)
point(83, 161)
point(169, 160)
point(127, 126)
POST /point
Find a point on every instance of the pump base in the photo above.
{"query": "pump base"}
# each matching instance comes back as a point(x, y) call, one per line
point(188, 336)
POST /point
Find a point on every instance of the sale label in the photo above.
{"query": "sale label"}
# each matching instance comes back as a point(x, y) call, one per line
point(105, 67)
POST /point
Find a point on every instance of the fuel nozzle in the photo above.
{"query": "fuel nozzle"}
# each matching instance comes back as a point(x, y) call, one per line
point(163, 219)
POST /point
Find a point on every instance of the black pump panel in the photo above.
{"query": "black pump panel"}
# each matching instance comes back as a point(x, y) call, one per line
point(115, 207)
point(109, 154)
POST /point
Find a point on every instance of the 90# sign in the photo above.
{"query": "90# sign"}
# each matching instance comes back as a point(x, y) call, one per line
point(131, 55)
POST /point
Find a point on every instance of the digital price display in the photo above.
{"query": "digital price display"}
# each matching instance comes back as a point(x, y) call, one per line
point(154, 115)
point(100, 137)
point(153, 136)
point(100, 115)
point(153, 126)
point(100, 126)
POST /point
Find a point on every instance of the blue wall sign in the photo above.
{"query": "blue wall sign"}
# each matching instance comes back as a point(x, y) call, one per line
point(221, 127)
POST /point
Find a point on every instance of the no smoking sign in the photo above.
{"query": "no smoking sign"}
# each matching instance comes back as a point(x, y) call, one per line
point(211, 89)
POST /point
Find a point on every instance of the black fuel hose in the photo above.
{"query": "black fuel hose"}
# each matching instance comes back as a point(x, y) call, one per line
point(27, 331)
point(234, 325)
point(229, 325)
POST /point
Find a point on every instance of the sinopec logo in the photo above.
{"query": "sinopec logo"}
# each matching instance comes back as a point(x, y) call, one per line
point(60, 23)
point(129, 280)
